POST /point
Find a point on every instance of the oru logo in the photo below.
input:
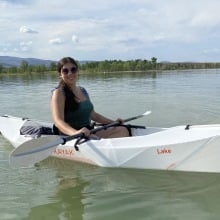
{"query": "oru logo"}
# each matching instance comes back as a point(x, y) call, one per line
point(63, 152)
point(164, 151)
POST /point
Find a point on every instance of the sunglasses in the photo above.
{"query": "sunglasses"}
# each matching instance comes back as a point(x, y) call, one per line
point(65, 71)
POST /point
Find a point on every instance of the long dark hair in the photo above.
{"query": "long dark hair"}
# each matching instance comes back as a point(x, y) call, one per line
point(70, 103)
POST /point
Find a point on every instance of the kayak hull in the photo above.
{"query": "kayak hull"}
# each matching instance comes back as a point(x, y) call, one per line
point(183, 148)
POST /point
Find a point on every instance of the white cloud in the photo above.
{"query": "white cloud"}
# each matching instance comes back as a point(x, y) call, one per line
point(55, 41)
point(24, 29)
point(75, 39)
point(29, 43)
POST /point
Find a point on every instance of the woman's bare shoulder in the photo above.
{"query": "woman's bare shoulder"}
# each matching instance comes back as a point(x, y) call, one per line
point(58, 92)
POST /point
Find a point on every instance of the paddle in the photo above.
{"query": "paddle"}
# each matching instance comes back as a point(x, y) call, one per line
point(36, 150)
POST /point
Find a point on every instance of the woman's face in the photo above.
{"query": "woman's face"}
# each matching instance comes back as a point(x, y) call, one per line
point(69, 73)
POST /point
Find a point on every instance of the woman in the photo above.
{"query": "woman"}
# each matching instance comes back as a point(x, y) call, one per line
point(72, 110)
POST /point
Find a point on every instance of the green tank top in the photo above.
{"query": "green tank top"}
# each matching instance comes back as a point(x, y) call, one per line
point(81, 117)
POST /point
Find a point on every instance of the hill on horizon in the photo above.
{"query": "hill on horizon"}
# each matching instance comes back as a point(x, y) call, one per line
point(8, 61)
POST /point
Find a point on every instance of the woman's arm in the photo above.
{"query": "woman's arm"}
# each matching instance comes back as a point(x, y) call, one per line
point(100, 118)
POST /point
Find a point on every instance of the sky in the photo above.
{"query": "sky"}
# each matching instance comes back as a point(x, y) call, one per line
point(170, 30)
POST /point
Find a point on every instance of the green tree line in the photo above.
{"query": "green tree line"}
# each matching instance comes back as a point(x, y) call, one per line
point(25, 67)
point(119, 65)
point(110, 66)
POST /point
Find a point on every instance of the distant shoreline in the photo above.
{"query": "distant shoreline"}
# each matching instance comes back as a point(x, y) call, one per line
point(108, 66)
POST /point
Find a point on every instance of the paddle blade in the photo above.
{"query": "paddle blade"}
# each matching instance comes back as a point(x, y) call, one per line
point(34, 151)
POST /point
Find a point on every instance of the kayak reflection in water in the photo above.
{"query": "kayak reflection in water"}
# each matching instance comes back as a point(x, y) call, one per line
point(72, 109)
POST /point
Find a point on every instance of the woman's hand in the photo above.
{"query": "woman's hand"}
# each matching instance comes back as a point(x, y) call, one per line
point(85, 131)
point(121, 121)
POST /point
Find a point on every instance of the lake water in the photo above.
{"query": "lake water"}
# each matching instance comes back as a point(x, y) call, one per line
point(57, 189)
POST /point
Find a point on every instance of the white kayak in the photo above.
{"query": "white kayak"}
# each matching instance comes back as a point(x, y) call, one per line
point(185, 148)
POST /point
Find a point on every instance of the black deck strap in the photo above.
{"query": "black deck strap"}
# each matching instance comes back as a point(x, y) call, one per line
point(82, 140)
point(129, 130)
point(7, 116)
point(187, 127)
point(79, 141)
point(25, 118)
point(123, 125)
point(137, 126)
point(129, 127)
point(76, 144)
